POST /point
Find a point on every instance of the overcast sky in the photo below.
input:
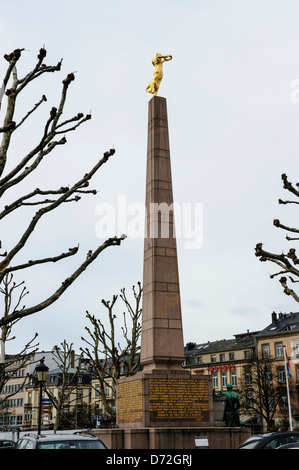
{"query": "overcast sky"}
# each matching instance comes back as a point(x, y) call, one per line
point(234, 129)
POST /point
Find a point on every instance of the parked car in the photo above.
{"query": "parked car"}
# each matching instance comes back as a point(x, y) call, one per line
point(6, 444)
point(271, 440)
point(292, 445)
point(59, 441)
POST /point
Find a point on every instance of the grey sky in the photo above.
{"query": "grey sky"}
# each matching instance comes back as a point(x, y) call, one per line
point(233, 130)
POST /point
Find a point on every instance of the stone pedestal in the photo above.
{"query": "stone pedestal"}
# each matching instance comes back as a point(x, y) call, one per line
point(218, 406)
point(164, 398)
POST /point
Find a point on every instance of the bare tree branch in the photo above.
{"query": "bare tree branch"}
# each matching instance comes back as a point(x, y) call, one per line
point(53, 205)
point(289, 261)
point(66, 283)
point(39, 202)
point(12, 363)
point(68, 383)
point(53, 259)
point(106, 355)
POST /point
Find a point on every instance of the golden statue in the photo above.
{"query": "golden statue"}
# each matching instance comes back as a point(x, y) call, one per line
point(157, 62)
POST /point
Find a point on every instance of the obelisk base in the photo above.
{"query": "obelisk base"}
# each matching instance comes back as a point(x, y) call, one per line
point(164, 398)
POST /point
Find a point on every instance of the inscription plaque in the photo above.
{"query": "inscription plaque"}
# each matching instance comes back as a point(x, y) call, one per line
point(178, 399)
point(129, 406)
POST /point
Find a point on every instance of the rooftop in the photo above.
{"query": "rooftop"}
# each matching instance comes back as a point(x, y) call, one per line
point(281, 323)
point(240, 341)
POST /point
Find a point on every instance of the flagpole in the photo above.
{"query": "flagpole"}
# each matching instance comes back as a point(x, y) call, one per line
point(288, 391)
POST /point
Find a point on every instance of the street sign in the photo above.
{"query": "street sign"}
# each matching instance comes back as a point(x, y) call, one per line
point(46, 401)
point(97, 418)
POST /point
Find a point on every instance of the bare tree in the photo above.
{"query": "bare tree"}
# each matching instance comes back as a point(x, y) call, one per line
point(288, 262)
point(65, 391)
point(107, 356)
point(12, 364)
point(14, 174)
point(262, 389)
point(11, 367)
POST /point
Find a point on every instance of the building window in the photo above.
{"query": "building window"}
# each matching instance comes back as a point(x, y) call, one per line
point(199, 360)
point(215, 381)
point(266, 351)
point(233, 377)
point(268, 375)
point(27, 416)
point(281, 374)
point(19, 419)
point(248, 377)
point(296, 347)
point(213, 358)
point(249, 401)
point(278, 350)
point(231, 356)
point(224, 379)
point(247, 354)
point(222, 357)
point(107, 391)
point(283, 403)
point(271, 402)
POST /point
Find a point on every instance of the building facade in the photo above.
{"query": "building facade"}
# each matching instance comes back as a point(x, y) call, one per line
point(223, 360)
point(19, 397)
point(282, 334)
point(232, 361)
point(12, 396)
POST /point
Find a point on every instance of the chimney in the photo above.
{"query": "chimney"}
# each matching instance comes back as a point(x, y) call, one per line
point(72, 359)
point(274, 317)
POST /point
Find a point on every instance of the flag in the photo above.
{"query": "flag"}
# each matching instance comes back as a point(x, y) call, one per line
point(287, 365)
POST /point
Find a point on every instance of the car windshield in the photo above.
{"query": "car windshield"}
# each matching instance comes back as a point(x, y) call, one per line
point(6, 443)
point(250, 443)
point(76, 444)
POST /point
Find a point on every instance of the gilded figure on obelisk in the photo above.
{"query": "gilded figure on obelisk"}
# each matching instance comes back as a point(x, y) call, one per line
point(157, 62)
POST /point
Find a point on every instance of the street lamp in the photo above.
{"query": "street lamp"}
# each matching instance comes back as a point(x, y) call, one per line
point(41, 372)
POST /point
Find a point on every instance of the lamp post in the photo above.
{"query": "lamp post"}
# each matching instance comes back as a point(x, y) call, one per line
point(41, 372)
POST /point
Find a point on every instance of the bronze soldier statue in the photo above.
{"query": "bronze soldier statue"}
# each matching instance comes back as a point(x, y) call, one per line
point(231, 409)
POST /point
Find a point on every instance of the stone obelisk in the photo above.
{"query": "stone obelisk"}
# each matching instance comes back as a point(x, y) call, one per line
point(162, 395)
point(162, 344)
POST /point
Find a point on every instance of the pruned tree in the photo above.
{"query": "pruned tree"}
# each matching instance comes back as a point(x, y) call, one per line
point(288, 262)
point(262, 388)
point(109, 359)
point(65, 390)
point(11, 365)
point(77, 418)
point(15, 173)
